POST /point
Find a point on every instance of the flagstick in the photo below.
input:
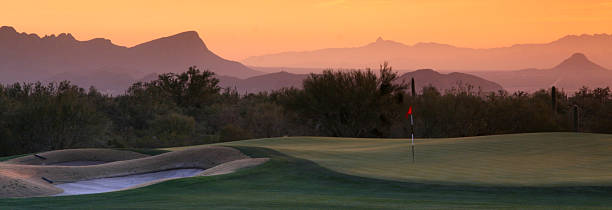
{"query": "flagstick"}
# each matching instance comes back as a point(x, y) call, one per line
point(412, 136)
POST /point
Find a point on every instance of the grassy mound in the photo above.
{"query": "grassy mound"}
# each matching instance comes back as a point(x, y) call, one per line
point(5, 158)
point(67, 155)
point(141, 151)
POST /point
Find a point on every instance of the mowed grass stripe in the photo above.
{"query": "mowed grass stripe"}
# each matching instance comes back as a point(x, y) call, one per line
point(535, 159)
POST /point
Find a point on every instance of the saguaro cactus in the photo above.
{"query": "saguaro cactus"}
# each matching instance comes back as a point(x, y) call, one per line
point(553, 93)
point(412, 85)
point(576, 118)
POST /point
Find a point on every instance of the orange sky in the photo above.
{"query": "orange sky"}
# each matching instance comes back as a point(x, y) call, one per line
point(238, 29)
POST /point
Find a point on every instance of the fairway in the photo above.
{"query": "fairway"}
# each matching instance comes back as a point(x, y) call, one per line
point(314, 172)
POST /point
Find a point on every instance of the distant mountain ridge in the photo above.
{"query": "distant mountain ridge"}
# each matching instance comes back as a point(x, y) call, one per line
point(578, 62)
point(447, 82)
point(29, 57)
point(262, 83)
point(570, 75)
point(444, 57)
point(425, 77)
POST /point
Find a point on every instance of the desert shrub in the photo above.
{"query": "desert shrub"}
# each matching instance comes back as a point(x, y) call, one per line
point(348, 103)
point(54, 116)
point(232, 132)
point(172, 125)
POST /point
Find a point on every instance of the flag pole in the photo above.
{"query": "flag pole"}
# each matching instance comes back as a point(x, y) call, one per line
point(411, 131)
point(412, 136)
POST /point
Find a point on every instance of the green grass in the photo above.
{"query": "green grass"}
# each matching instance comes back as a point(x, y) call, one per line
point(291, 183)
point(366, 173)
point(141, 151)
point(536, 159)
point(5, 158)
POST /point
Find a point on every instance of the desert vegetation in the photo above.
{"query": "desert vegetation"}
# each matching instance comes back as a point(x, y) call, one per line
point(190, 108)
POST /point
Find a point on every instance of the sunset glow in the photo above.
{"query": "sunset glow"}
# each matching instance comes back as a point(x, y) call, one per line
point(238, 29)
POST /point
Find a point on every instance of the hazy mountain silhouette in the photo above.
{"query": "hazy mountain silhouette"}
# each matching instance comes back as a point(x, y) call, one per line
point(570, 75)
point(111, 82)
point(447, 82)
point(266, 82)
point(286, 69)
point(579, 63)
point(28, 57)
point(278, 80)
point(444, 57)
point(180, 51)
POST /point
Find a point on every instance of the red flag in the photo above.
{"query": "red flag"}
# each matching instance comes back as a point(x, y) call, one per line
point(409, 113)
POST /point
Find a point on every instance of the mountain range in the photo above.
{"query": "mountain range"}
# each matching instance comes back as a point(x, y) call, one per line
point(29, 57)
point(570, 75)
point(444, 57)
point(450, 81)
point(423, 77)
point(260, 83)
point(112, 68)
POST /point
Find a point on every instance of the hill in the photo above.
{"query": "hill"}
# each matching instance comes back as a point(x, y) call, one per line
point(261, 83)
point(444, 57)
point(570, 75)
point(28, 57)
point(447, 82)
point(279, 80)
point(285, 69)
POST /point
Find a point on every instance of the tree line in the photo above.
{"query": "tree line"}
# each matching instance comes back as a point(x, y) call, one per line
point(190, 108)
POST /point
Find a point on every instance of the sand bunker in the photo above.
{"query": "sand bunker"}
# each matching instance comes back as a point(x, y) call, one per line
point(23, 178)
point(122, 182)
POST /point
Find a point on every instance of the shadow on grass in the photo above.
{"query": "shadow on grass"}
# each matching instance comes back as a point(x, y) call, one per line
point(151, 152)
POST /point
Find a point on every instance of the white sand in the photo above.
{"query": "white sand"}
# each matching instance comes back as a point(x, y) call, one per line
point(122, 182)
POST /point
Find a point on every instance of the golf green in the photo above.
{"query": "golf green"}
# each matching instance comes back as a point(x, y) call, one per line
point(533, 159)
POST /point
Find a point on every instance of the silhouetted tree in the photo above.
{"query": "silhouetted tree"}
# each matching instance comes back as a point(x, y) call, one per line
point(354, 103)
